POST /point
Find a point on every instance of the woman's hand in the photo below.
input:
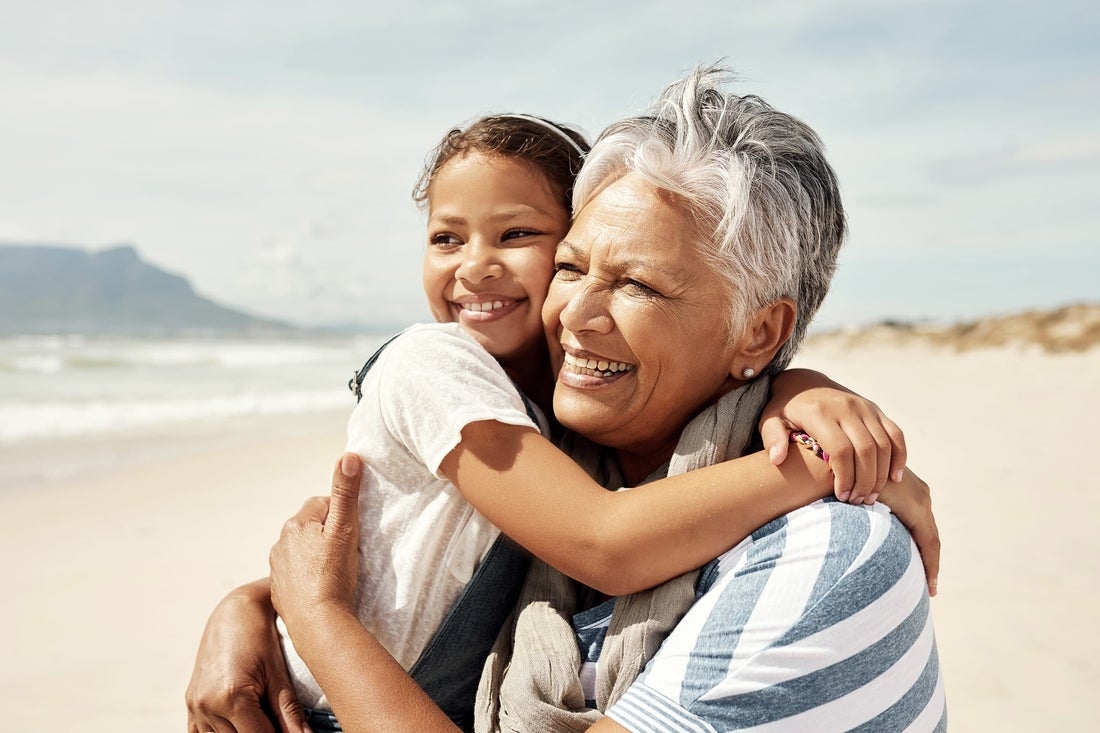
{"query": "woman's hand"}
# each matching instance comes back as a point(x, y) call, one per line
point(316, 560)
point(240, 682)
point(865, 447)
point(314, 568)
point(911, 502)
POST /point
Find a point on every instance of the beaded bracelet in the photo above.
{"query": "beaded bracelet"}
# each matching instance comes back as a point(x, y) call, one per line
point(812, 445)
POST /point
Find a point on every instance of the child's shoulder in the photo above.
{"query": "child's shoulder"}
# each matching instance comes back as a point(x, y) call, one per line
point(435, 337)
point(436, 349)
point(441, 330)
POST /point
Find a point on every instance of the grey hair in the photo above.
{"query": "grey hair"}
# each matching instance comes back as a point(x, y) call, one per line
point(755, 180)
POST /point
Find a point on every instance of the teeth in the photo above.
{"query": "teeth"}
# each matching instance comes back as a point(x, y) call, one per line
point(594, 368)
point(482, 307)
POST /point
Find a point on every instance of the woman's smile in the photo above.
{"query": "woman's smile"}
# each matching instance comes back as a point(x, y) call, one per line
point(581, 370)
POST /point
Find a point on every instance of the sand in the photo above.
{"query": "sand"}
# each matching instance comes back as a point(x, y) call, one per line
point(110, 573)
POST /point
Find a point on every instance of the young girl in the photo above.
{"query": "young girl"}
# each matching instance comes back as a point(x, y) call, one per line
point(498, 196)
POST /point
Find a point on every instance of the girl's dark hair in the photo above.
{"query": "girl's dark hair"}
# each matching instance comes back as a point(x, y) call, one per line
point(554, 150)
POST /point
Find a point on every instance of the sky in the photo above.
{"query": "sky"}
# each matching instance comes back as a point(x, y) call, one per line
point(267, 150)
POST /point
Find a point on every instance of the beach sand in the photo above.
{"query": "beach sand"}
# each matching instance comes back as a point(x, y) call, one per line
point(110, 572)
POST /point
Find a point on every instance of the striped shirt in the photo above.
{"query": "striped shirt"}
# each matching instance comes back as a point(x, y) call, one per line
point(817, 622)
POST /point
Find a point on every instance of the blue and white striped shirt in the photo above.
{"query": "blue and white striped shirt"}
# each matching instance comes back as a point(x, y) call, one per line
point(817, 622)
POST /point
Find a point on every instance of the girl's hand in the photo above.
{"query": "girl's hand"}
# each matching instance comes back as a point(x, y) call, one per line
point(865, 447)
point(316, 560)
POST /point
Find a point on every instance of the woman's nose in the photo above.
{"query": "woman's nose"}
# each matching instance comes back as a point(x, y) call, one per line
point(479, 262)
point(586, 308)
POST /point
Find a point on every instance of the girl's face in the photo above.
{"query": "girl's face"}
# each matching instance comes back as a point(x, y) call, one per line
point(493, 226)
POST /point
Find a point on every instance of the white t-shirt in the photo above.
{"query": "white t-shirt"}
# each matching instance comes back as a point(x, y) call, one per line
point(420, 541)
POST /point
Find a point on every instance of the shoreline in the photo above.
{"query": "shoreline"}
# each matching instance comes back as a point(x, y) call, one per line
point(38, 463)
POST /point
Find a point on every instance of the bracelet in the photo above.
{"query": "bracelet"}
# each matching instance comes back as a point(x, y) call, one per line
point(809, 443)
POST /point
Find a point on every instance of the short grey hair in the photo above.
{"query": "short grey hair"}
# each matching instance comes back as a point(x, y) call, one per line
point(756, 181)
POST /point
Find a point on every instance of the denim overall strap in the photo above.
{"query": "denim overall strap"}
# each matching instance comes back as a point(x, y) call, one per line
point(450, 666)
point(355, 384)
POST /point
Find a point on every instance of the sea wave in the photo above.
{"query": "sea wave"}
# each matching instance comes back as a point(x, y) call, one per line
point(51, 355)
point(68, 386)
point(65, 419)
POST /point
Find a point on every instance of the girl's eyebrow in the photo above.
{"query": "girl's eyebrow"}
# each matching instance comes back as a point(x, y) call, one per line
point(497, 217)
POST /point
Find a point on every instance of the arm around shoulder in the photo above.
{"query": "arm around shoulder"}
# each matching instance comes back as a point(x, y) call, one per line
point(621, 542)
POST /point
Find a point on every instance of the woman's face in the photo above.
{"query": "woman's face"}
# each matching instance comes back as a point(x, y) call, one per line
point(493, 224)
point(636, 321)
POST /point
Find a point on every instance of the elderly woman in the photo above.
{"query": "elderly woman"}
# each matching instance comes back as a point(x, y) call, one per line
point(704, 239)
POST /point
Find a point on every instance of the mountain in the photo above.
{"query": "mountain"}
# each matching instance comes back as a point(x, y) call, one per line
point(54, 289)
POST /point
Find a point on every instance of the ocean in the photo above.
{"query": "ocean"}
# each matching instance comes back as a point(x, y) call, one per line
point(55, 387)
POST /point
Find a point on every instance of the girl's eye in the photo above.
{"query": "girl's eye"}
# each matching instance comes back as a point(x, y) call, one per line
point(445, 239)
point(518, 234)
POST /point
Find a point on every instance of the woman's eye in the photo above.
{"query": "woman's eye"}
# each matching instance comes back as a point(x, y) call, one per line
point(640, 288)
point(566, 271)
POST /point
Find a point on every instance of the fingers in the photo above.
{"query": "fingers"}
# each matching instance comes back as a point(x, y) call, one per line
point(911, 503)
point(862, 456)
point(927, 537)
point(245, 720)
point(343, 513)
point(248, 720)
point(282, 699)
point(899, 453)
point(222, 725)
point(873, 448)
point(776, 437)
point(314, 509)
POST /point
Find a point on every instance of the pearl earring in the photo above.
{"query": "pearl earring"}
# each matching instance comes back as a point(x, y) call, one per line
point(748, 372)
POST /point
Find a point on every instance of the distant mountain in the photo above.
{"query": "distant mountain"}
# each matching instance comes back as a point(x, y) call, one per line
point(48, 289)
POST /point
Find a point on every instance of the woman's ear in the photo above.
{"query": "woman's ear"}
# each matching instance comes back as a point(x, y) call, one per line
point(768, 330)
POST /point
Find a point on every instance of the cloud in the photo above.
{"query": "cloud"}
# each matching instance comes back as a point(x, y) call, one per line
point(268, 150)
point(1046, 158)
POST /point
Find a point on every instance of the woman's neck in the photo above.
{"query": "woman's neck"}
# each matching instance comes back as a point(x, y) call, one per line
point(636, 466)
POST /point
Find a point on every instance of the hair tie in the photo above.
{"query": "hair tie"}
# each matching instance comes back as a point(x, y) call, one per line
point(549, 126)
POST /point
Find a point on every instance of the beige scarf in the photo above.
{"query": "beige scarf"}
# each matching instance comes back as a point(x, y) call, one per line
point(531, 681)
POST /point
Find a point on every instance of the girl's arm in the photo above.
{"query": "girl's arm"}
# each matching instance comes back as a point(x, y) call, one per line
point(623, 542)
point(626, 541)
